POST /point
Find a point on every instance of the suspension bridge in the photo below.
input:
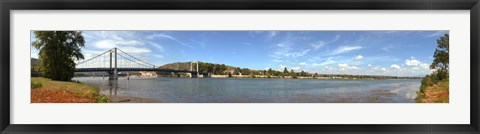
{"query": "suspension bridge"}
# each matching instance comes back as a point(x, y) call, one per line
point(115, 60)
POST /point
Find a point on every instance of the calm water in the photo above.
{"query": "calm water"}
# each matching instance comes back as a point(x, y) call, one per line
point(231, 90)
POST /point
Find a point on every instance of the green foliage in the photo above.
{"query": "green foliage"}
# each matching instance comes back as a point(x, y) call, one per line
point(58, 52)
point(285, 72)
point(441, 60)
point(293, 74)
point(269, 76)
point(253, 76)
point(270, 72)
point(103, 99)
point(35, 85)
point(430, 80)
point(245, 71)
point(229, 75)
point(303, 73)
point(218, 69)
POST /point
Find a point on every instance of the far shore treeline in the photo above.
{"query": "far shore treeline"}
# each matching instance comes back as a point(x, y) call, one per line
point(231, 71)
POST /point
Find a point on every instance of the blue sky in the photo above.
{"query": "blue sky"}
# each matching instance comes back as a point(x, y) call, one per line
point(395, 53)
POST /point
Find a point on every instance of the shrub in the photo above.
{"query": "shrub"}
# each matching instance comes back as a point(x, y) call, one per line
point(35, 85)
point(103, 99)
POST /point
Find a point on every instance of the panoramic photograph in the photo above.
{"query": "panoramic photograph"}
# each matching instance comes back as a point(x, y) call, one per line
point(377, 66)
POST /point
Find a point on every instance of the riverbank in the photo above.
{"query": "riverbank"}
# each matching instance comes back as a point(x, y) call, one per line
point(130, 99)
point(49, 91)
point(436, 93)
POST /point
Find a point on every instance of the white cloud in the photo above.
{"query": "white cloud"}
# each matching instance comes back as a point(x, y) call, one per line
point(166, 36)
point(134, 50)
point(395, 66)
point(358, 57)
point(277, 60)
point(302, 63)
point(156, 45)
point(345, 66)
point(328, 61)
point(354, 67)
point(158, 55)
point(369, 65)
point(318, 44)
point(380, 59)
point(127, 46)
point(283, 52)
point(297, 54)
point(425, 66)
point(105, 44)
point(412, 62)
point(345, 49)
point(389, 47)
point(271, 34)
point(295, 68)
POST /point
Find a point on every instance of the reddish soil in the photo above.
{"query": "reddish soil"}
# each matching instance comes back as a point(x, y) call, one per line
point(58, 96)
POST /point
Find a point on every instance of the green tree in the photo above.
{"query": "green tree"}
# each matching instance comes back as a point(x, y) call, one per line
point(58, 51)
point(440, 62)
point(220, 68)
point(269, 71)
point(293, 74)
point(245, 71)
point(285, 72)
point(303, 73)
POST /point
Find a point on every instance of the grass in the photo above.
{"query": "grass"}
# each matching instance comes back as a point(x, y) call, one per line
point(436, 93)
point(49, 91)
point(35, 84)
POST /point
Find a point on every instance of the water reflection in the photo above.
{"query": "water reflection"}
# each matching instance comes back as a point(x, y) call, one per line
point(113, 86)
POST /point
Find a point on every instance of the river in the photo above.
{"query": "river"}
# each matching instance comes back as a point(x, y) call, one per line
point(258, 90)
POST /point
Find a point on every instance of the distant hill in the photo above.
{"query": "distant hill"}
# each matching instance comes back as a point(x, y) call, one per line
point(177, 66)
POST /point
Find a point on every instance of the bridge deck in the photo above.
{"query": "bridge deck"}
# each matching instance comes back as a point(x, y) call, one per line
point(129, 69)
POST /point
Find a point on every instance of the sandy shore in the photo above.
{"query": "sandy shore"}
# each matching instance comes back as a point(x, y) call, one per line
point(130, 99)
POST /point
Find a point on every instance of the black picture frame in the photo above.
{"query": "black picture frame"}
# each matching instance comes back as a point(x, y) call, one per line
point(8, 5)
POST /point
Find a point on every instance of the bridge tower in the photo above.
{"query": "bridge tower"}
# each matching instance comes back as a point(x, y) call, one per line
point(191, 69)
point(113, 75)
